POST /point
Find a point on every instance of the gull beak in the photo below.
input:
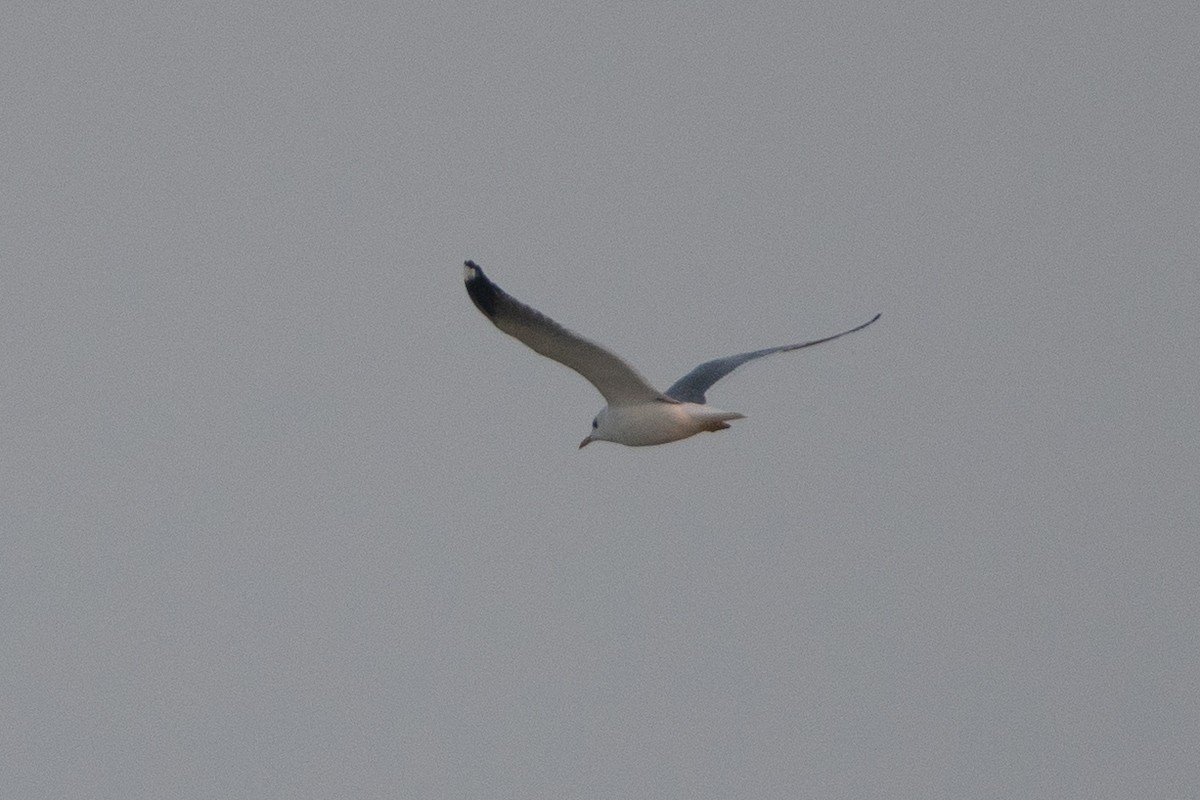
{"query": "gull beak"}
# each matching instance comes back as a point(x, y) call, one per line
point(586, 441)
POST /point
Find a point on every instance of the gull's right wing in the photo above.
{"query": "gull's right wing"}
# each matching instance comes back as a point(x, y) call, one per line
point(617, 381)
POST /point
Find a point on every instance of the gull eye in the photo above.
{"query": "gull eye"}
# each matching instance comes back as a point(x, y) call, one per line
point(595, 423)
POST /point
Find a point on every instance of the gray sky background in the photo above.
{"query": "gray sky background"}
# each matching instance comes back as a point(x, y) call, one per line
point(285, 517)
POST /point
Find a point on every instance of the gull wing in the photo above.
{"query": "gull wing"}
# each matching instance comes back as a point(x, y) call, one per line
point(691, 387)
point(617, 381)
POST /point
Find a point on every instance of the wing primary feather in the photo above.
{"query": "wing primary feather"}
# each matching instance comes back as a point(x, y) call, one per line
point(481, 290)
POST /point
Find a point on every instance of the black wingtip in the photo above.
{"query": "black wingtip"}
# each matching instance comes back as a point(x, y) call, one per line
point(869, 322)
point(483, 292)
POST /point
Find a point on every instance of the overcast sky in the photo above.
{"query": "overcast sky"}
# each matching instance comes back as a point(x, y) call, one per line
point(285, 517)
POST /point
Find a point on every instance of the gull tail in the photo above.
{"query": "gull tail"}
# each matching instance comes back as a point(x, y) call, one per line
point(714, 419)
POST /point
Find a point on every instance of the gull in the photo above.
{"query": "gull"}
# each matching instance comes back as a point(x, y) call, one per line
point(636, 413)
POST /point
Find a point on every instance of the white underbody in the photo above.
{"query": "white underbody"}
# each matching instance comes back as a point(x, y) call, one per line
point(657, 422)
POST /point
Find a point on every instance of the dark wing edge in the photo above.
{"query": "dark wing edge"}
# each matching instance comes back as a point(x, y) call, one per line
point(618, 382)
point(692, 387)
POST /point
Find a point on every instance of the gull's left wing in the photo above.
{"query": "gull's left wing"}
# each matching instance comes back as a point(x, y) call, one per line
point(691, 387)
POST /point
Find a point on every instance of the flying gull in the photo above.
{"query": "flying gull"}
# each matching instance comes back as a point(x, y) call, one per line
point(637, 413)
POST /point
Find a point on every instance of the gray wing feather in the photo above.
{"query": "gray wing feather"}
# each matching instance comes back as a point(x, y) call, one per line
point(619, 383)
point(691, 387)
